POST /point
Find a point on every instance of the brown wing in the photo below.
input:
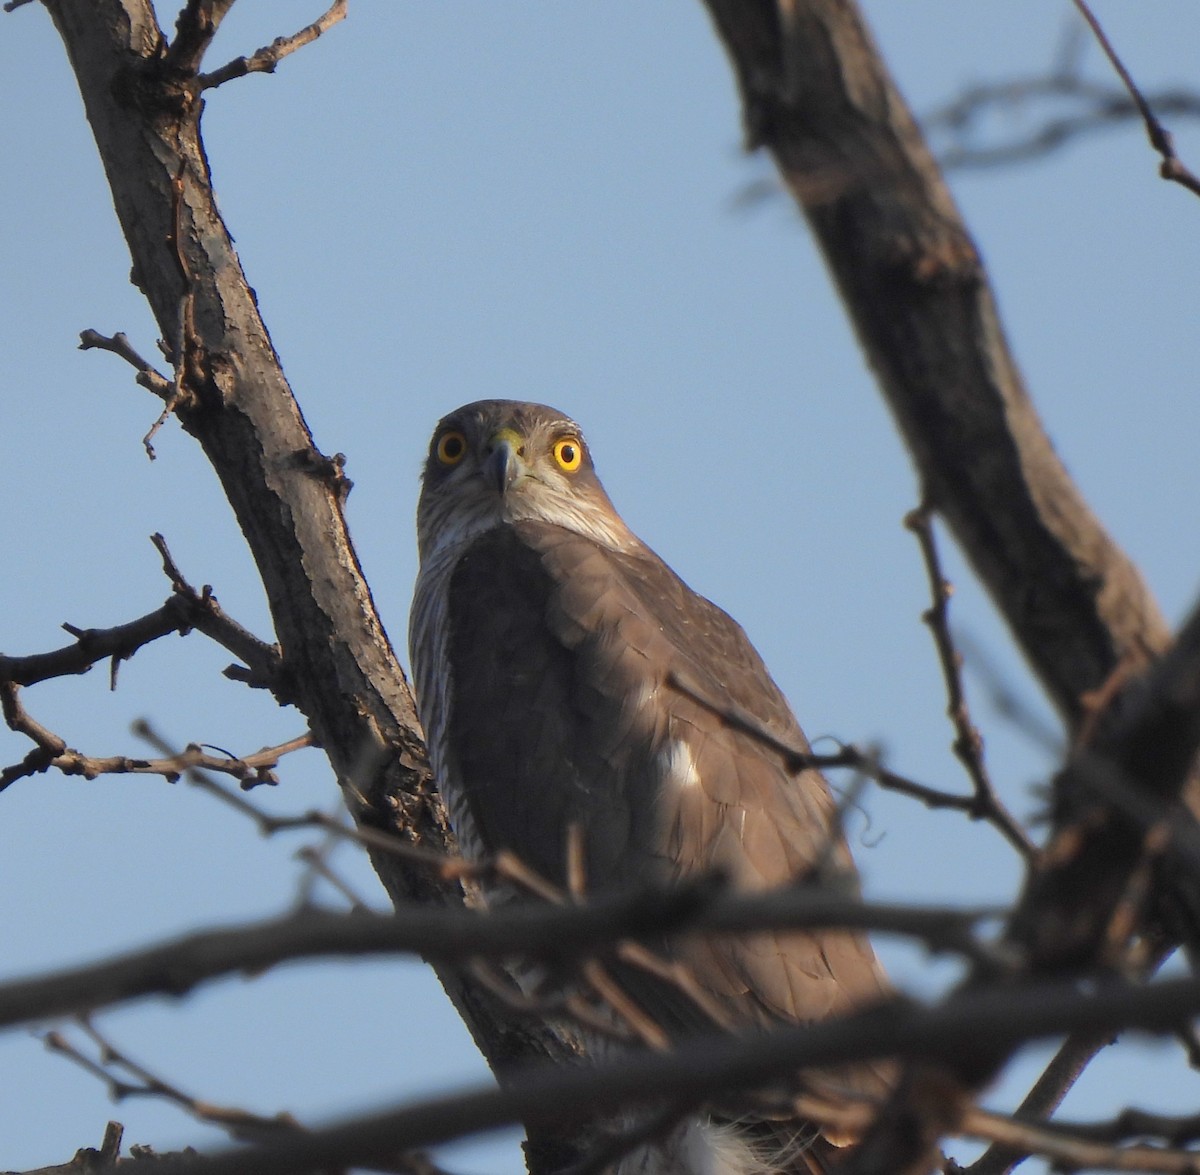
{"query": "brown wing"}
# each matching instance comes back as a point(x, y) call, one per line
point(560, 712)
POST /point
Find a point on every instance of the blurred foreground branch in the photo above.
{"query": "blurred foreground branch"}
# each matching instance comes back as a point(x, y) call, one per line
point(561, 1095)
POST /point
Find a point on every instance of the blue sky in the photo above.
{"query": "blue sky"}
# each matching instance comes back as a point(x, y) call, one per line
point(443, 201)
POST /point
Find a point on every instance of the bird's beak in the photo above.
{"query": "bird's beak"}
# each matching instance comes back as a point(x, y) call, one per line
point(505, 463)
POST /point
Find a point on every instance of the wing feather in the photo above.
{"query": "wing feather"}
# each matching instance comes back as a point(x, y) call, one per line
point(560, 712)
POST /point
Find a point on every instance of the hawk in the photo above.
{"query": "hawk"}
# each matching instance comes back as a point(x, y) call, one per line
point(546, 643)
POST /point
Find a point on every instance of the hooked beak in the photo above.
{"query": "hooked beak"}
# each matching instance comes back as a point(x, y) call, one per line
point(504, 464)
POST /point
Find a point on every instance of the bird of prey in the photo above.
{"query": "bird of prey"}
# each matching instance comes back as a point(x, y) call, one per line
point(547, 643)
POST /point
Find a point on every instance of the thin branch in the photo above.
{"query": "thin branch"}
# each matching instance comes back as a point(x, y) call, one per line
point(1065, 1068)
point(797, 759)
point(139, 1081)
point(538, 1003)
point(442, 864)
point(250, 771)
point(1116, 799)
point(185, 610)
point(457, 935)
point(1008, 701)
point(1171, 167)
point(240, 1125)
point(91, 645)
point(967, 745)
point(188, 356)
point(620, 1004)
point(264, 661)
point(1135, 1123)
point(557, 1096)
point(52, 751)
point(1103, 106)
point(1072, 1152)
point(316, 860)
point(1009, 1134)
point(679, 976)
point(269, 56)
point(147, 376)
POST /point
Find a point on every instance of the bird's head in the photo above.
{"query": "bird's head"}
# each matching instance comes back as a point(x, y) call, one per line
point(502, 461)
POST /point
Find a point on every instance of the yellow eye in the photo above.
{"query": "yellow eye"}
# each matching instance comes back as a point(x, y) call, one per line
point(568, 452)
point(451, 447)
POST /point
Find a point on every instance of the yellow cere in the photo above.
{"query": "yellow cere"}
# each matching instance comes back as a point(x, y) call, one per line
point(568, 452)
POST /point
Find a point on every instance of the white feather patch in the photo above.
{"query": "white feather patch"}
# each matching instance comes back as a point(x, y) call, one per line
point(697, 1147)
point(677, 765)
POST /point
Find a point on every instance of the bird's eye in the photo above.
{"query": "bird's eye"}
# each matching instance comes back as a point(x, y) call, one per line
point(451, 447)
point(568, 452)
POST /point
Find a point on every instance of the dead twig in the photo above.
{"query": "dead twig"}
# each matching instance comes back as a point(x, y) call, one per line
point(968, 744)
point(126, 1078)
point(559, 935)
point(88, 1159)
point(264, 666)
point(1134, 1123)
point(1071, 1151)
point(556, 1096)
point(52, 751)
point(148, 377)
point(269, 824)
point(185, 610)
point(91, 645)
point(1099, 107)
point(1065, 1068)
point(269, 56)
point(797, 759)
point(316, 861)
point(1160, 138)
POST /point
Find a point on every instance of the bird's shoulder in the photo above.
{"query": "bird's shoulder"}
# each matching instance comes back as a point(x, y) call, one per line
point(603, 599)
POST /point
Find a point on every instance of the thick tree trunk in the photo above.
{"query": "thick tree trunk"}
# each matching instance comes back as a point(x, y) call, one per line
point(340, 670)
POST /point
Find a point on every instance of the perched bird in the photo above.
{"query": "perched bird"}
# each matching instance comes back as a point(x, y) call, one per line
point(547, 642)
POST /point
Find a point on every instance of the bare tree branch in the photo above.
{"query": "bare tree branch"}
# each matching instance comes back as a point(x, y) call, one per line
point(264, 664)
point(87, 1159)
point(195, 28)
point(850, 153)
point(52, 751)
point(1072, 1152)
point(968, 744)
point(267, 58)
point(699, 1069)
point(1177, 1130)
point(1160, 138)
point(147, 376)
point(455, 936)
point(126, 1078)
point(1110, 797)
point(849, 756)
point(1092, 105)
point(1066, 1067)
